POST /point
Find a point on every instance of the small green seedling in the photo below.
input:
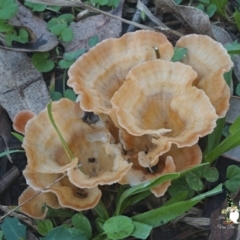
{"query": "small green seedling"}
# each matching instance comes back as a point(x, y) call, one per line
point(13, 229)
point(59, 27)
point(42, 62)
point(44, 226)
point(8, 9)
point(70, 57)
point(109, 3)
point(233, 176)
point(179, 54)
point(35, 7)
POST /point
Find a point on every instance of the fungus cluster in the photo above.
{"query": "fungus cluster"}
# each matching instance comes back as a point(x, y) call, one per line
point(152, 113)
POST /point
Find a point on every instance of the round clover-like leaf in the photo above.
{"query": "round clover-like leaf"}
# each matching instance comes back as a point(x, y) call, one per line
point(44, 226)
point(82, 223)
point(67, 34)
point(41, 61)
point(118, 227)
point(211, 174)
point(8, 9)
point(70, 94)
point(194, 182)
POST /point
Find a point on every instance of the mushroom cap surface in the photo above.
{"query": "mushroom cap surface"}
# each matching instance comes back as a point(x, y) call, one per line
point(210, 60)
point(21, 119)
point(158, 99)
point(98, 74)
point(35, 208)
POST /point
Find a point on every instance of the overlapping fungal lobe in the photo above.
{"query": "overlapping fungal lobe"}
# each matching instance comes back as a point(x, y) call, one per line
point(68, 195)
point(175, 160)
point(96, 161)
point(43, 147)
point(158, 99)
point(36, 207)
point(210, 60)
point(98, 74)
point(21, 119)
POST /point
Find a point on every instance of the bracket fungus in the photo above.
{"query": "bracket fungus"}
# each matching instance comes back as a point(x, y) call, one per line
point(158, 99)
point(97, 161)
point(152, 112)
point(210, 60)
point(98, 74)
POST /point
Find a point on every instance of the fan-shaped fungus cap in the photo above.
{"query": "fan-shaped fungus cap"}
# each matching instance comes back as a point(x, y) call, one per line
point(98, 74)
point(21, 119)
point(176, 159)
point(68, 194)
point(158, 99)
point(35, 208)
point(42, 143)
point(100, 162)
point(106, 166)
point(210, 60)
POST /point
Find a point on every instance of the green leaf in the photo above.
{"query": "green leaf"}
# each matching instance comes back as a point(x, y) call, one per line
point(10, 152)
point(141, 230)
point(215, 137)
point(200, 7)
point(162, 215)
point(178, 186)
point(113, 3)
point(93, 41)
point(211, 174)
point(22, 36)
point(8, 9)
point(4, 26)
point(194, 182)
point(58, 29)
point(12, 35)
point(101, 210)
point(233, 48)
point(63, 233)
point(72, 56)
point(211, 9)
point(237, 89)
point(41, 61)
point(67, 35)
point(1, 235)
point(220, 6)
point(63, 142)
point(142, 188)
point(179, 54)
point(63, 213)
point(44, 226)
point(233, 174)
point(55, 96)
point(230, 142)
point(53, 22)
point(226, 132)
point(236, 17)
point(54, 8)
point(178, 1)
point(182, 195)
point(70, 94)
point(18, 136)
point(68, 17)
point(143, 16)
point(36, 7)
point(206, 2)
point(64, 64)
point(82, 223)
point(13, 229)
point(118, 227)
point(103, 2)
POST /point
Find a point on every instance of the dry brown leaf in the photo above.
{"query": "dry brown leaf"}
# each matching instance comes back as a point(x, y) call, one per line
point(57, 2)
point(22, 86)
point(102, 26)
point(5, 128)
point(42, 39)
point(196, 19)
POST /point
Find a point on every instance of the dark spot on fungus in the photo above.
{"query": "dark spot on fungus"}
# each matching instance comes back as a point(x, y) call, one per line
point(81, 193)
point(91, 160)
